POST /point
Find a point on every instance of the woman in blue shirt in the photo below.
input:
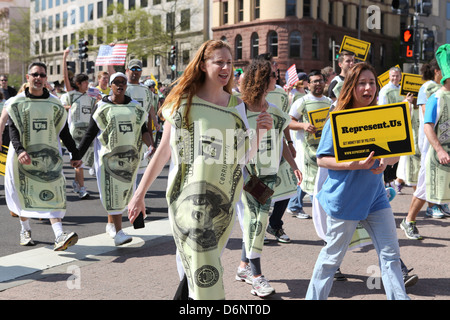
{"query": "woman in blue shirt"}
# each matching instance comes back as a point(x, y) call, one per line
point(354, 192)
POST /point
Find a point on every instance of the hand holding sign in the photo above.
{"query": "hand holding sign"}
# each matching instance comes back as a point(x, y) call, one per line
point(383, 129)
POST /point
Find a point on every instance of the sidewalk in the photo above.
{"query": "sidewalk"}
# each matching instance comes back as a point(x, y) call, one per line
point(148, 272)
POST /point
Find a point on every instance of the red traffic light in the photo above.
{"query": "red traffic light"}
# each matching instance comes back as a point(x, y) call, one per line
point(407, 35)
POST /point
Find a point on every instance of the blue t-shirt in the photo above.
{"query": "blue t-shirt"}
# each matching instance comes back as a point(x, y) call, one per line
point(431, 110)
point(349, 194)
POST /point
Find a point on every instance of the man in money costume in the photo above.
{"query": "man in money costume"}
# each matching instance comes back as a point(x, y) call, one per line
point(346, 60)
point(34, 182)
point(437, 130)
point(305, 139)
point(117, 127)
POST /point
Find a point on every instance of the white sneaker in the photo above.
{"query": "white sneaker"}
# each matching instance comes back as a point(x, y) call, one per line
point(111, 230)
point(25, 238)
point(121, 238)
point(83, 194)
point(261, 287)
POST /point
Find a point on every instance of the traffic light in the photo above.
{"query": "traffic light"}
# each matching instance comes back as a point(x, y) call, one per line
point(424, 7)
point(408, 42)
point(71, 66)
point(400, 5)
point(90, 67)
point(428, 45)
point(173, 55)
point(82, 49)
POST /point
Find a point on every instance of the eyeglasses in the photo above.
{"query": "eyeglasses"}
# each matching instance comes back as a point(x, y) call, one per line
point(136, 69)
point(119, 82)
point(36, 74)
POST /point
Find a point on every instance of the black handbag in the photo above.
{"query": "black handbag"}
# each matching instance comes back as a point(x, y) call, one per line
point(258, 189)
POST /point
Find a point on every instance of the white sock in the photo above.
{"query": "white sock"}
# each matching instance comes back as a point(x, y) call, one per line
point(25, 225)
point(57, 229)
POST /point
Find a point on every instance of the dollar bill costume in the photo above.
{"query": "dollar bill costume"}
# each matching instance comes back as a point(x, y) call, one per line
point(116, 130)
point(305, 142)
point(280, 98)
point(37, 190)
point(205, 183)
point(143, 95)
point(437, 175)
point(265, 165)
point(81, 105)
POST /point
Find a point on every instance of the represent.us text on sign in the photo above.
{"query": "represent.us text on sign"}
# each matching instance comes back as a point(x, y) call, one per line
point(384, 129)
point(318, 118)
point(359, 47)
point(411, 83)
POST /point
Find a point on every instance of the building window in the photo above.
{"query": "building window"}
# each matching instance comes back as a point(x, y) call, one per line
point(82, 14)
point(295, 44)
point(291, 8)
point(240, 8)
point(91, 12)
point(65, 18)
point(185, 23)
point(109, 7)
point(330, 12)
point(306, 8)
point(273, 43)
point(50, 45)
point(315, 46)
point(256, 9)
point(57, 44)
point(254, 45)
point(131, 4)
point(72, 17)
point(50, 23)
point(238, 47)
point(224, 12)
point(99, 9)
point(170, 22)
point(57, 21)
point(344, 16)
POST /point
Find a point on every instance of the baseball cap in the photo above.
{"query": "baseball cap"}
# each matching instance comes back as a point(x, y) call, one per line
point(115, 75)
point(149, 83)
point(134, 63)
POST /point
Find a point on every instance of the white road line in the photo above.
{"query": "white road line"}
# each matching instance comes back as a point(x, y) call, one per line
point(27, 262)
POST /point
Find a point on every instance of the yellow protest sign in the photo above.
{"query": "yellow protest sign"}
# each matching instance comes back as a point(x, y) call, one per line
point(3, 155)
point(411, 83)
point(384, 129)
point(318, 118)
point(359, 47)
point(383, 79)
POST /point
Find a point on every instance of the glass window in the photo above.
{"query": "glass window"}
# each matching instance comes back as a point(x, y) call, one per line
point(295, 44)
point(91, 12)
point(185, 22)
point(238, 47)
point(315, 46)
point(254, 45)
point(82, 14)
point(291, 7)
point(99, 9)
point(72, 17)
point(65, 18)
point(273, 43)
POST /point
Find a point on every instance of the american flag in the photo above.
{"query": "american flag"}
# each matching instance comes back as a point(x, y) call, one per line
point(291, 75)
point(115, 55)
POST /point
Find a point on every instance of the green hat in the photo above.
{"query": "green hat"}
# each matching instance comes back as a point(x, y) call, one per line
point(443, 60)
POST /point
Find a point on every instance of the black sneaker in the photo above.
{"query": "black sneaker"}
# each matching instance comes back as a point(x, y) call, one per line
point(339, 276)
point(279, 234)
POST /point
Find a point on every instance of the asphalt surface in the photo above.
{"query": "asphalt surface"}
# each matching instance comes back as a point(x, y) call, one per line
point(146, 268)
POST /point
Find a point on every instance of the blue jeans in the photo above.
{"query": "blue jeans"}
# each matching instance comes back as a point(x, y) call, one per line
point(296, 202)
point(381, 227)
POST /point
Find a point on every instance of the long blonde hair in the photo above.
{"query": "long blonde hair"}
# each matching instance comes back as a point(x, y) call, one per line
point(194, 77)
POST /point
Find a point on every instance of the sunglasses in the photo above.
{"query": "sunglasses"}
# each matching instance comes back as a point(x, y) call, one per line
point(4, 80)
point(36, 74)
point(136, 69)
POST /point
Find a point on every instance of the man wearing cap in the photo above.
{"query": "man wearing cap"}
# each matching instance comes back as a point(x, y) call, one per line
point(118, 128)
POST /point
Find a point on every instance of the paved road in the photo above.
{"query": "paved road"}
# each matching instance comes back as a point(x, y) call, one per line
point(85, 217)
point(145, 268)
